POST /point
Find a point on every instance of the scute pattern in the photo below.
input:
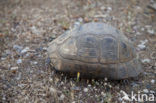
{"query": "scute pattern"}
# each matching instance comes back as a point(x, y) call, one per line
point(69, 49)
point(87, 48)
point(109, 50)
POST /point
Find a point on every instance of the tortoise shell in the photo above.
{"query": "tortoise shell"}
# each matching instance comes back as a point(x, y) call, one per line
point(96, 50)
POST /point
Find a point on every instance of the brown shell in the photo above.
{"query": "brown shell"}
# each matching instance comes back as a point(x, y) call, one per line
point(96, 50)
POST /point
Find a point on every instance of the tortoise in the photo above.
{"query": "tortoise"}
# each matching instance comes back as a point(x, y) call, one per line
point(95, 50)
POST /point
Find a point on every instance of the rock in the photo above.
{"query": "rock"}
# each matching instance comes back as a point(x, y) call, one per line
point(35, 62)
point(85, 89)
point(76, 88)
point(80, 19)
point(145, 90)
point(142, 45)
point(19, 61)
point(14, 68)
point(17, 48)
point(19, 76)
point(103, 94)
point(25, 50)
point(151, 31)
point(152, 81)
point(62, 97)
point(151, 91)
point(76, 24)
point(142, 29)
point(35, 30)
point(134, 84)
point(145, 60)
point(152, 6)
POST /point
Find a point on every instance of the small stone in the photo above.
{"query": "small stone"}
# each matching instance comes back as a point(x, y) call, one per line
point(152, 6)
point(151, 31)
point(80, 19)
point(151, 91)
point(19, 61)
point(76, 24)
point(142, 29)
point(62, 97)
point(152, 81)
point(103, 94)
point(141, 46)
point(109, 8)
point(53, 90)
point(85, 89)
point(103, 8)
point(19, 76)
point(3, 58)
point(145, 60)
point(44, 48)
point(17, 48)
point(35, 62)
point(25, 50)
point(34, 30)
point(106, 79)
point(89, 85)
point(145, 91)
point(14, 68)
point(134, 84)
point(76, 88)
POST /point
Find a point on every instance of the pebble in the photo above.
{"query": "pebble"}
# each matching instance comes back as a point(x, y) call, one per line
point(14, 68)
point(19, 61)
point(19, 76)
point(89, 85)
point(17, 48)
point(34, 30)
point(80, 19)
point(85, 89)
point(151, 91)
point(76, 88)
point(142, 29)
point(134, 84)
point(3, 58)
point(25, 50)
point(152, 81)
point(76, 24)
point(151, 31)
point(62, 97)
point(103, 94)
point(35, 62)
point(142, 46)
point(145, 60)
point(145, 90)
point(153, 6)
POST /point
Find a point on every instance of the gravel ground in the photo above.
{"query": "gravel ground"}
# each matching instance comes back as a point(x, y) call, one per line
point(27, 26)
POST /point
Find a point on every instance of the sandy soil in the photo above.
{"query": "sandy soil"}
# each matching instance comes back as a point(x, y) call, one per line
point(27, 26)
